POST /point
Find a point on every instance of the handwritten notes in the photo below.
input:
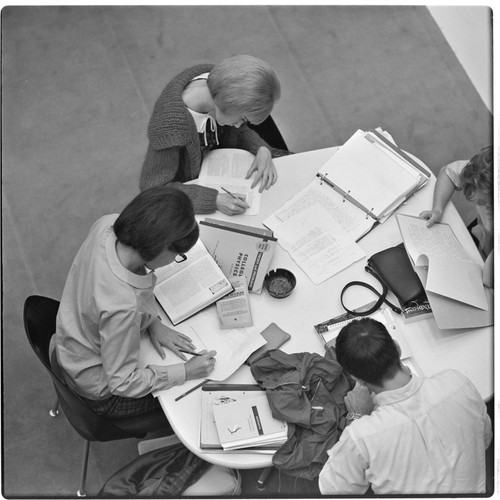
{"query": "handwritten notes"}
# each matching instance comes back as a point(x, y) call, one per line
point(450, 270)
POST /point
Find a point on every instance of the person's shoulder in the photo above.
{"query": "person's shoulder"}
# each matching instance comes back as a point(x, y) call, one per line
point(456, 166)
point(178, 82)
point(450, 378)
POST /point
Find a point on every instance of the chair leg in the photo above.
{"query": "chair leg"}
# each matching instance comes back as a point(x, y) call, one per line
point(54, 411)
point(81, 492)
point(261, 482)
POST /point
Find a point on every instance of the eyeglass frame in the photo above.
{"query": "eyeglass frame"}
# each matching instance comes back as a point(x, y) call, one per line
point(180, 257)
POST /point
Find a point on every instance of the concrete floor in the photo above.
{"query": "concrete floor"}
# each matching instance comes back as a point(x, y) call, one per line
point(78, 86)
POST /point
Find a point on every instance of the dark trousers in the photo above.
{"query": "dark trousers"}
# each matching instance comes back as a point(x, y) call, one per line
point(270, 133)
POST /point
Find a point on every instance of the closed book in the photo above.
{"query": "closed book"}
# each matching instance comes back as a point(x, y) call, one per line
point(239, 249)
point(248, 423)
point(221, 394)
point(233, 310)
point(419, 309)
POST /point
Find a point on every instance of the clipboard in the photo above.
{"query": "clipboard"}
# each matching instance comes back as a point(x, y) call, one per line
point(275, 338)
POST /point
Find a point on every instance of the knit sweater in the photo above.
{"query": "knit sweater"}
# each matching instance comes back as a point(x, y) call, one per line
point(174, 152)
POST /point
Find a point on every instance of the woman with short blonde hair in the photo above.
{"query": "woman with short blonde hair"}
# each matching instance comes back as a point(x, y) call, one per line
point(208, 106)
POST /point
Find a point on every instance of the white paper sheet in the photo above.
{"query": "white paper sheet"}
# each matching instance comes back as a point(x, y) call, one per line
point(317, 234)
point(451, 270)
point(233, 346)
point(227, 168)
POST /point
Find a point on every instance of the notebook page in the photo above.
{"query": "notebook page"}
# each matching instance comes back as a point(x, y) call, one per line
point(368, 174)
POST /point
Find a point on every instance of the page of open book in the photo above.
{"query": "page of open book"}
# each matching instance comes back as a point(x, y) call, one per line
point(451, 270)
point(183, 288)
point(370, 173)
point(233, 346)
point(319, 231)
point(227, 168)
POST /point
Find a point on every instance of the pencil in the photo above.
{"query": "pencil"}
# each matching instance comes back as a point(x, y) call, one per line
point(190, 352)
point(191, 390)
point(229, 193)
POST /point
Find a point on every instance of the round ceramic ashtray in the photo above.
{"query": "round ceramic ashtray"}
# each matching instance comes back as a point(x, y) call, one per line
point(280, 283)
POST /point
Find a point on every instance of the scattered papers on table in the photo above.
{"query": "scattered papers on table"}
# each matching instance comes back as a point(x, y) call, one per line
point(233, 347)
point(316, 235)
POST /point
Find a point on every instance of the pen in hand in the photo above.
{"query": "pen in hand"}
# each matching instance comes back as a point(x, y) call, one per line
point(230, 194)
point(190, 352)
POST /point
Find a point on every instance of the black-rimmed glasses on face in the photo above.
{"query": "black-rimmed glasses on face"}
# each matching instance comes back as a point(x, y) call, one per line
point(180, 257)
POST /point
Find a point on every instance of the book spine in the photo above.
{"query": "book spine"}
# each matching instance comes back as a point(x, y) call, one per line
point(345, 195)
point(246, 231)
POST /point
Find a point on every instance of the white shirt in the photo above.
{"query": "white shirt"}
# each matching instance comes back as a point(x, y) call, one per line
point(428, 437)
point(203, 120)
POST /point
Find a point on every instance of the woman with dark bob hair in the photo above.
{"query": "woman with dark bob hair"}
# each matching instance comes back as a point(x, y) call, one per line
point(209, 106)
point(108, 302)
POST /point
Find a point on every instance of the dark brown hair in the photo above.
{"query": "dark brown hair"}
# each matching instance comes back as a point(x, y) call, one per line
point(158, 218)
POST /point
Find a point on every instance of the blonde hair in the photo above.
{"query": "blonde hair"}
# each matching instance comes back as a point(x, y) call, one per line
point(244, 85)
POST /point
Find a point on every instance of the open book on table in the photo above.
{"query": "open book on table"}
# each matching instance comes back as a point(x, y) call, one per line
point(183, 289)
point(453, 281)
point(227, 168)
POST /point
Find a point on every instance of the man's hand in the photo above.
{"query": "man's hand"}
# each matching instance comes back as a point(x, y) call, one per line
point(161, 335)
point(265, 170)
point(359, 400)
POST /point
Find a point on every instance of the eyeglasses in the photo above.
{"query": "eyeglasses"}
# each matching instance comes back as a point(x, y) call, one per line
point(180, 257)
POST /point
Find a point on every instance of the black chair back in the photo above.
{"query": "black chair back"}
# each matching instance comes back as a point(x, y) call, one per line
point(40, 324)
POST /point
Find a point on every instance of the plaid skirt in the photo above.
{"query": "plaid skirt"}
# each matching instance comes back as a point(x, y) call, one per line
point(120, 407)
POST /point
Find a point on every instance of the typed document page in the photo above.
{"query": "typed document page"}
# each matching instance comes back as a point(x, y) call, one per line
point(227, 168)
point(319, 231)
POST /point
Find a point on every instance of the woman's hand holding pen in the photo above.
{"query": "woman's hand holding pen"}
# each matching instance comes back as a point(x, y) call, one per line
point(231, 204)
point(201, 365)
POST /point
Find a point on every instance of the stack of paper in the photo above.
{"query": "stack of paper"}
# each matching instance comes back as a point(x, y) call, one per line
point(248, 423)
point(452, 280)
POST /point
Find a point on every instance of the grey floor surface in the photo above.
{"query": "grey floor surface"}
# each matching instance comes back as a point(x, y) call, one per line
point(78, 86)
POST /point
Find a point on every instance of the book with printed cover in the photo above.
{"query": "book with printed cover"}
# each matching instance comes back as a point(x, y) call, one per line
point(239, 249)
point(218, 395)
point(185, 288)
point(419, 308)
point(233, 310)
point(248, 423)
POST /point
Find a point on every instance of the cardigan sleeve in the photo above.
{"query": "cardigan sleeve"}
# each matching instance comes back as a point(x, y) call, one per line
point(157, 171)
point(243, 138)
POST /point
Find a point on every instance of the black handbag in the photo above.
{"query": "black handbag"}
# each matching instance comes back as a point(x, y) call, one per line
point(393, 269)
